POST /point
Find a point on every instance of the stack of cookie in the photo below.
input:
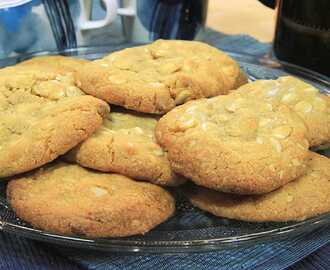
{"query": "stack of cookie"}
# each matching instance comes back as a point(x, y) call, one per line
point(173, 117)
point(54, 113)
point(248, 152)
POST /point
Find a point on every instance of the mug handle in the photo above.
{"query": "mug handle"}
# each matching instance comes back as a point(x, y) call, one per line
point(111, 7)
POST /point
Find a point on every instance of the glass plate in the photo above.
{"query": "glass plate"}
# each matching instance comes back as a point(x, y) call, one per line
point(190, 230)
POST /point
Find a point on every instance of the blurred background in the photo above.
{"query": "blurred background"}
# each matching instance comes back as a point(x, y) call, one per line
point(301, 35)
point(242, 17)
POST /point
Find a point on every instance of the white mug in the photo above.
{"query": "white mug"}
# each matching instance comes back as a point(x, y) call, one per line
point(35, 25)
point(111, 9)
point(147, 20)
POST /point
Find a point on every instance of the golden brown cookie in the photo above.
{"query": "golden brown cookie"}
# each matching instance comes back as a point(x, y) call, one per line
point(42, 116)
point(62, 64)
point(68, 199)
point(155, 78)
point(235, 145)
point(312, 106)
point(305, 197)
point(125, 144)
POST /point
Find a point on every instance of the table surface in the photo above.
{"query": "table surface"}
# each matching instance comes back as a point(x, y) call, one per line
point(242, 17)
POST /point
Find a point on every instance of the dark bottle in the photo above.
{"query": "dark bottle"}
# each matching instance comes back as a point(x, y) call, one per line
point(302, 34)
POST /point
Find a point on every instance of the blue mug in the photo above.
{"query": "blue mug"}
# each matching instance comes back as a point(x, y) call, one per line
point(166, 19)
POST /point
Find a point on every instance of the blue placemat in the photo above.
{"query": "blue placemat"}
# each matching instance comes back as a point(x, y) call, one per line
point(20, 253)
point(271, 256)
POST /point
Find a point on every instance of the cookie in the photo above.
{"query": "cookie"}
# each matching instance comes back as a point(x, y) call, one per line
point(235, 145)
point(312, 106)
point(305, 197)
point(125, 144)
point(42, 116)
point(155, 78)
point(71, 200)
point(62, 64)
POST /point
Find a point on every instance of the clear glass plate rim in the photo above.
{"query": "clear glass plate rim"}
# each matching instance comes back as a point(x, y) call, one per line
point(311, 224)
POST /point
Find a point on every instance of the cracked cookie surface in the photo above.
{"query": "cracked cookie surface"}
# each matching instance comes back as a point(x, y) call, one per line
point(235, 145)
point(157, 77)
point(306, 100)
point(126, 144)
point(59, 63)
point(71, 200)
point(42, 116)
point(305, 197)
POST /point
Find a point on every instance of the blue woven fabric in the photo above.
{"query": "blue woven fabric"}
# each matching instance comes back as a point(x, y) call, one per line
point(271, 256)
point(319, 260)
point(19, 253)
